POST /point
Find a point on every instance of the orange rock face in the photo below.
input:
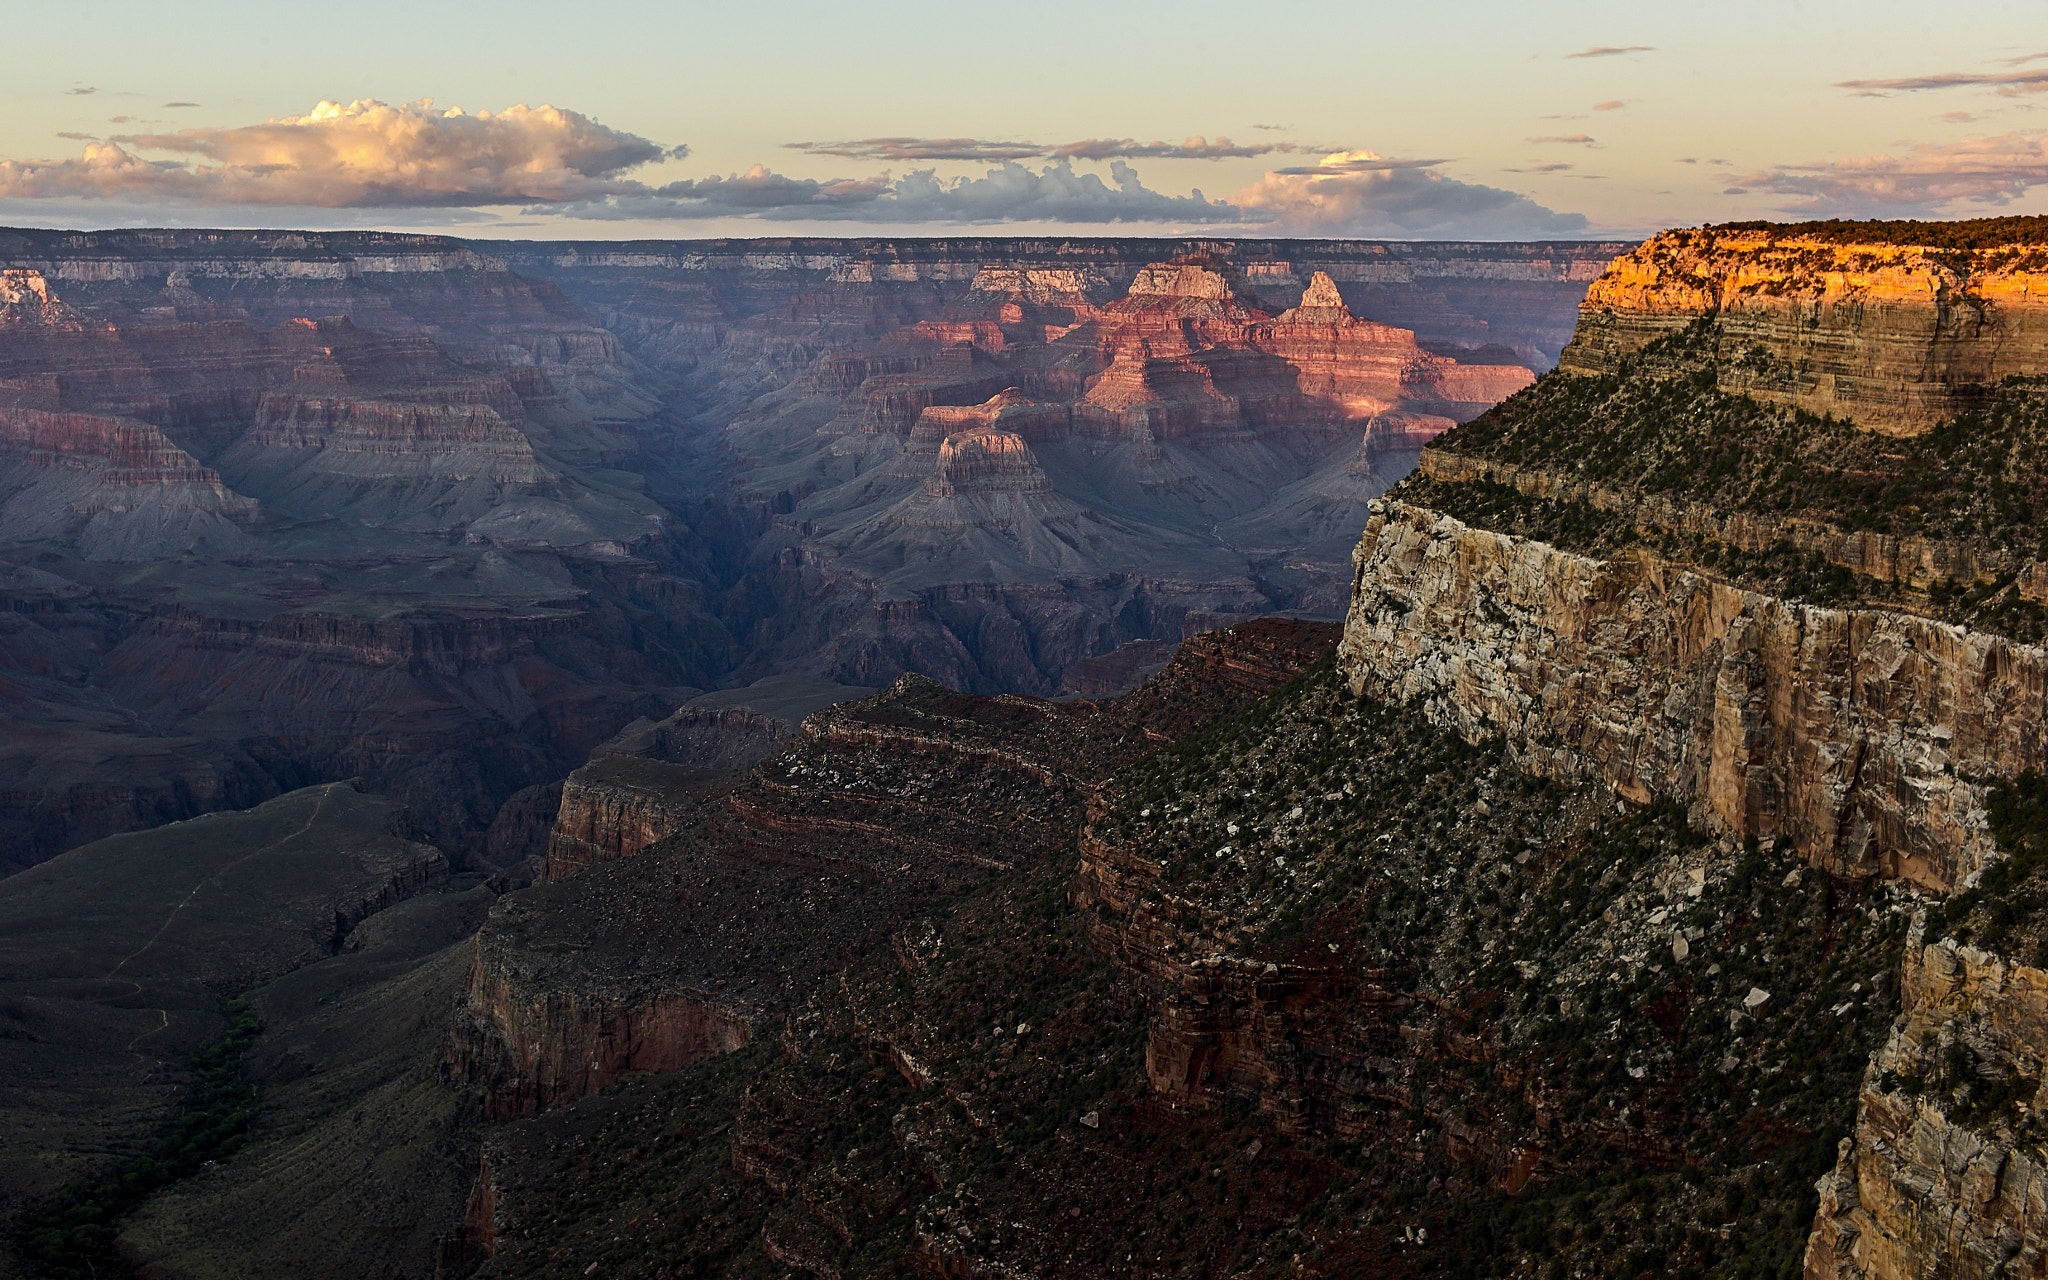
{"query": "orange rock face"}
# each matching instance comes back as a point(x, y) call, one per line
point(1892, 337)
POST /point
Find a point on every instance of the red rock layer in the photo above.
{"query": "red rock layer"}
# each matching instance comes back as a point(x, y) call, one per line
point(616, 806)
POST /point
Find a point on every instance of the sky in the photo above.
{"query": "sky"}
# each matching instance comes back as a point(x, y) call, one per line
point(618, 119)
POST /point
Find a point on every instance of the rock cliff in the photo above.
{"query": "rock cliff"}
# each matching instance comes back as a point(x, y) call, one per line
point(1653, 572)
point(882, 806)
point(1848, 734)
point(1893, 336)
point(1940, 1178)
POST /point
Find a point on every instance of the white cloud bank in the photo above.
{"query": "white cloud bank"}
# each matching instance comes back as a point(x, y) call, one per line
point(1358, 193)
point(362, 155)
point(1349, 193)
point(368, 155)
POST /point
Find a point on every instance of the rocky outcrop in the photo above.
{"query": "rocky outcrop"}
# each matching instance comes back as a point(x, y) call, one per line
point(1364, 369)
point(528, 1051)
point(653, 778)
point(879, 808)
point(617, 805)
point(117, 487)
point(1894, 337)
point(1852, 734)
point(1929, 1184)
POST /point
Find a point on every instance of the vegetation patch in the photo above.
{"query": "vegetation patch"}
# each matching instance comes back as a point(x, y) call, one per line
point(1502, 977)
point(73, 1235)
point(1969, 233)
point(1660, 437)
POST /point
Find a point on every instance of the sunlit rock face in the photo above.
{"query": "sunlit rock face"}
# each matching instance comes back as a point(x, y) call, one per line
point(1892, 337)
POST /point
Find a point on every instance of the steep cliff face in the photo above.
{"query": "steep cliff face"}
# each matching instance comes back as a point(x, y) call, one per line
point(1848, 733)
point(1945, 1174)
point(1655, 572)
point(616, 806)
point(1895, 337)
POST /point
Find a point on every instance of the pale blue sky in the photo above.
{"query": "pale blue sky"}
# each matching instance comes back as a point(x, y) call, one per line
point(1486, 89)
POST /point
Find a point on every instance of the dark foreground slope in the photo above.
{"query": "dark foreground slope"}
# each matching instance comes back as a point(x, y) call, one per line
point(374, 1104)
point(115, 959)
point(1322, 979)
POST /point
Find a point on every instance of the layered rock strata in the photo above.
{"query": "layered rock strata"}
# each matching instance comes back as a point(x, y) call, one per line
point(1849, 733)
point(616, 806)
point(289, 499)
point(1915, 562)
point(1895, 337)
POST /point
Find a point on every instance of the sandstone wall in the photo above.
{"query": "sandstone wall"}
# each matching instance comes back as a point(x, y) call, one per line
point(1851, 733)
point(617, 806)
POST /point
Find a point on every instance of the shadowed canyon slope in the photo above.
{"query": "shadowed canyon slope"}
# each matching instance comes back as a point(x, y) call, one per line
point(280, 508)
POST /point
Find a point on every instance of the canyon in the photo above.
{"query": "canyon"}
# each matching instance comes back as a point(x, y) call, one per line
point(1647, 876)
point(282, 508)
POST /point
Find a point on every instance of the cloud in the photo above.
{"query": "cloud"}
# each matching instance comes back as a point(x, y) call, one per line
point(1610, 50)
point(2006, 82)
point(80, 93)
point(1985, 171)
point(1195, 148)
point(76, 136)
point(1573, 139)
point(1353, 162)
point(1009, 193)
point(1554, 167)
point(1959, 117)
point(1358, 193)
point(915, 150)
point(170, 105)
point(1612, 104)
point(365, 154)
